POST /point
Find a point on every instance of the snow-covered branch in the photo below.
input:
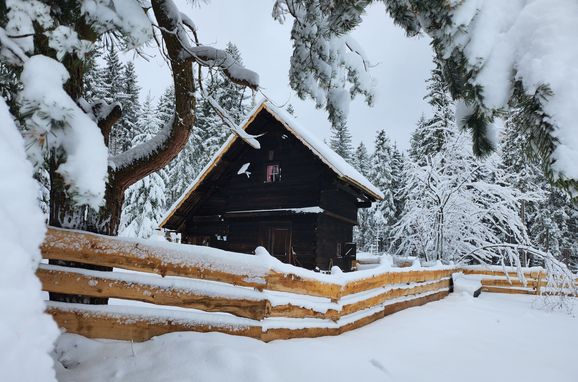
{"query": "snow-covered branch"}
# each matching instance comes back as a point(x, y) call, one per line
point(561, 282)
point(220, 59)
point(227, 120)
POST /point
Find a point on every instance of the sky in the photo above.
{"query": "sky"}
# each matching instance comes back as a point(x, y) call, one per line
point(400, 65)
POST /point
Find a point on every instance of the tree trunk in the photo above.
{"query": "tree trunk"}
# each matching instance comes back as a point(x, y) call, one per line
point(63, 211)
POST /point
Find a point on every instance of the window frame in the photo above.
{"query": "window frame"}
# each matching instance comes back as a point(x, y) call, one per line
point(275, 179)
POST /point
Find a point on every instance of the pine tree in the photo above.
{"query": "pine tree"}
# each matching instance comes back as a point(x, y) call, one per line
point(382, 214)
point(145, 201)
point(431, 134)
point(398, 181)
point(361, 160)
point(92, 82)
point(111, 90)
point(182, 170)
point(362, 232)
point(340, 141)
point(111, 76)
point(125, 131)
point(551, 218)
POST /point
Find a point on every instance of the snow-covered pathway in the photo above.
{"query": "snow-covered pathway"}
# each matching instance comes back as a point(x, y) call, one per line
point(495, 337)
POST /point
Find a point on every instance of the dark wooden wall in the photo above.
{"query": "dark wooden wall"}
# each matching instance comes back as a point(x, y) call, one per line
point(303, 175)
point(305, 182)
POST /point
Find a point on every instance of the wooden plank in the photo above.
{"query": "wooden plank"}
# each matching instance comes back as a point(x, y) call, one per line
point(286, 282)
point(71, 282)
point(100, 325)
point(393, 308)
point(395, 278)
point(528, 275)
point(138, 328)
point(491, 289)
point(392, 294)
point(513, 283)
point(273, 334)
point(295, 311)
point(101, 250)
point(284, 334)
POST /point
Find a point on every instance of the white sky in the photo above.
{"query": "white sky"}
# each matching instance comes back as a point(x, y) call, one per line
point(402, 65)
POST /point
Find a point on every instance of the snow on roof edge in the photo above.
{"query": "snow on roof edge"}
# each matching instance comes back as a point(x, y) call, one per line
point(324, 152)
point(335, 162)
point(213, 162)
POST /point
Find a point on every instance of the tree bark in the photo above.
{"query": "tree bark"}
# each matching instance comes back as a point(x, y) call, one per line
point(63, 211)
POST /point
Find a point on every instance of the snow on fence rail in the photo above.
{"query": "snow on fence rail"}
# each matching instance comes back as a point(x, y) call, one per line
point(234, 293)
point(496, 279)
point(250, 295)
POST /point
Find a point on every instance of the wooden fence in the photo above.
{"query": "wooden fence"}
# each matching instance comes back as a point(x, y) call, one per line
point(495, 280)
point(188, 288)
point(252, 299)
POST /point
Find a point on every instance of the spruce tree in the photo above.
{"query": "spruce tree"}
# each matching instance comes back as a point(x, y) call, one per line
point(362, 232)
point(382, 214)
point(398, 181)
point(361, 160)
point(145, 201)
point(125, 131)
point(550, 217)
point(432, 133)
point(111, 90)
point(340, 141)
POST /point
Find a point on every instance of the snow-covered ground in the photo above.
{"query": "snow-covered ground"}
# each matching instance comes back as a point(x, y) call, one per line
point(494, 337)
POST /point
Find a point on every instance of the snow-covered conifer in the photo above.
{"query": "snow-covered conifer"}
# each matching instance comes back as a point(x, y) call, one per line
point(145, 201)
point(362, 232)
point(361, 160)
point(432, 133)
point(340, 141)
point(382, 213)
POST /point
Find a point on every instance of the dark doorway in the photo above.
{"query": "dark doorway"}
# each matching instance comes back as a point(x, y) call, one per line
point(277, 240)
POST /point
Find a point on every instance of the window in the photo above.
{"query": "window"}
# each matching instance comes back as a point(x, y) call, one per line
point(273, 173)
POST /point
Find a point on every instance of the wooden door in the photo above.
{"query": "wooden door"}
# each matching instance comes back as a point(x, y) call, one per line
point(278, 240)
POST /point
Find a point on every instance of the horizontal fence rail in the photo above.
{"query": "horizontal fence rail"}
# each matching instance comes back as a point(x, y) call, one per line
point(190, 288)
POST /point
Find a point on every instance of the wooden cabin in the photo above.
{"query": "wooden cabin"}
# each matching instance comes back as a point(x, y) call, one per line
point(294, 196)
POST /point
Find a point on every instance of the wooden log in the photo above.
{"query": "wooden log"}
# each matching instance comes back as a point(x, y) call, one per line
point(491, 289)
point(528, 275)
point(513, 283)
point(94, 249)
point(137, 329)
point(284, 334)
point(393, 308)
point(292, 283)
point(369, 283)
point(387, 278)
point(392, 294)
point(71, 282)
point(113, 252)
point(273, 334)
point(295, 311)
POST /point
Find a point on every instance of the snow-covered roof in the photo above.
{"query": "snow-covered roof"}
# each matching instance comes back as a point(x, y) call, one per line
point(334, 161)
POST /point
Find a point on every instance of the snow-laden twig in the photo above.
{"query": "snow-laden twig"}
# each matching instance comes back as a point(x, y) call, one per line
point(227, 120)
